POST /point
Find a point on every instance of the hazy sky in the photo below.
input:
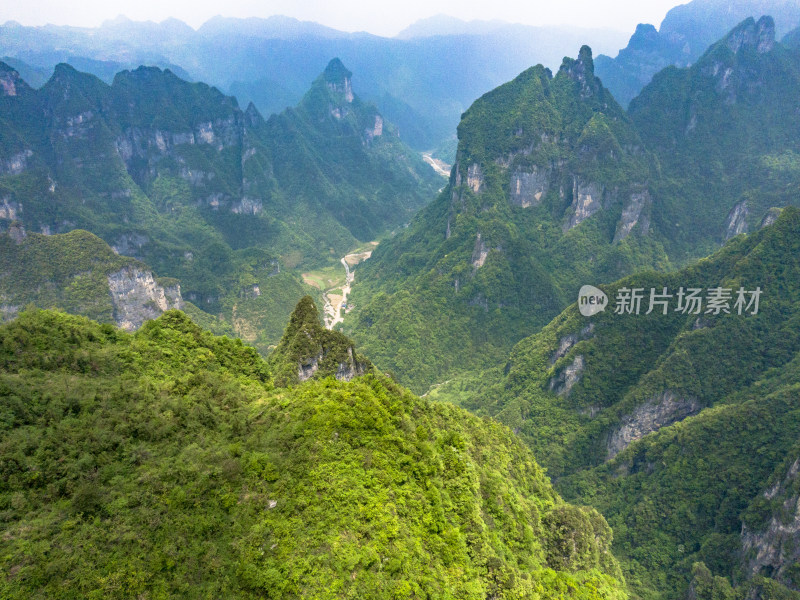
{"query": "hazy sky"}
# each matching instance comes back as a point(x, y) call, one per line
point(348, 15)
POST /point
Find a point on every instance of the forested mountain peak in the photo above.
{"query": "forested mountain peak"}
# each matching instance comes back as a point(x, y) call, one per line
point(309, 350)
point(327, 489)
point(11, 84)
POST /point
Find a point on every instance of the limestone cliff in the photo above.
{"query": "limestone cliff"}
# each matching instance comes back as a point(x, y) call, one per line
point(774, 548)
point(658, 412)
point(137, 297)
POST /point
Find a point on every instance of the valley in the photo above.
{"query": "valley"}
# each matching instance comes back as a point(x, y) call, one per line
point(275, 328)
point(336, 289)
point(441, 167)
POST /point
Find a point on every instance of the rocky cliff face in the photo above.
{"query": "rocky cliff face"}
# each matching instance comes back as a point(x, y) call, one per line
point(346, 369)
point(649, 417)
point(563, 383)
point(634, 213)
point(137, 297)
point(737, 220)
point(774, 549)
point(587, 199)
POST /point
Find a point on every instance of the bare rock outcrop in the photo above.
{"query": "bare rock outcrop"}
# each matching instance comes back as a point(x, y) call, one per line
point(658, 412)
point(137, 297)
point(737, 220)
point(775, 549)
point(528, 187)
point(587, 199)
point(563, 383)
point(632, 215)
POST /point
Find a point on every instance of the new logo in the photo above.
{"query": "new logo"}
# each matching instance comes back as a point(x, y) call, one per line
point(591, 300)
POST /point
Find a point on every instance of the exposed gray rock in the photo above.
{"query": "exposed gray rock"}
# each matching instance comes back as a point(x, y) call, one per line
point(658, 412)
point(475, 178)
point(77, 126)
point(129, 244)
point(480, 252)
point(564, 346)
point(8, 311)
point(631, 215)
point(15, 164)
point(346, 370)
point(376, 131)
point(566, 343)
point(137, 297)
point(247, 206)
point(776, 548)
point(527, 188)
point(17, 232)
point(10, 210)
point(587, 199)
point(563, 383)
point(759, 36)
point(8, 83)
point(769, 218)
point(344, 87)
point(737, 220)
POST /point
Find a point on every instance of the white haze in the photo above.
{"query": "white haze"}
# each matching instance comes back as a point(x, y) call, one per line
point(380, 18)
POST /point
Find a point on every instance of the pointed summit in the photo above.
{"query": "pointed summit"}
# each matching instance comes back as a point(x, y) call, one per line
point(11, 84)
point(338, 79)
point(752, 35)
point(252, 116)
point(308, 350)
point(582, 71)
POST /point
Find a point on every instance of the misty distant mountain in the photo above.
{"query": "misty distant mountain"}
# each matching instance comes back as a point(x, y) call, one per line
point(422, 83)
point(447, 25)
point(685, 34)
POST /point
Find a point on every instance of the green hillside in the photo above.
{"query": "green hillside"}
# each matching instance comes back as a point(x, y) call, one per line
point(165, 463)
point(675, 425)
point(176, 175)
point(551, 189)
point(725, 136)
point(555, 187)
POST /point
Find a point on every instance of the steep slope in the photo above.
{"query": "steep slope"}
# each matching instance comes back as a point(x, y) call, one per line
point(422, 85)
point(551, 188)
point(308, 350)
point(725, 131)
point(176, 175)
point(684, 35)
point(675, 425)
point(556, 187)
point(339, 155)
point(79, 273)
point(163, 463)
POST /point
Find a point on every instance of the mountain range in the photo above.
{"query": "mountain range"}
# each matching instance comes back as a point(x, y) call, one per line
point(422, 83)
point(679, 424)
point(556, 186)
point(600, 304)
point(176, 175)
point(683, 37)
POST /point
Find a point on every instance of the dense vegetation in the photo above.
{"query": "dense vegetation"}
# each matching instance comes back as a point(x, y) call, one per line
point(165, 463)
point(724, 388)
point(176, 175)
point(703, 154)
point(68, 271)
point(172, 462)
point(724, 136)
point(484, 265)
